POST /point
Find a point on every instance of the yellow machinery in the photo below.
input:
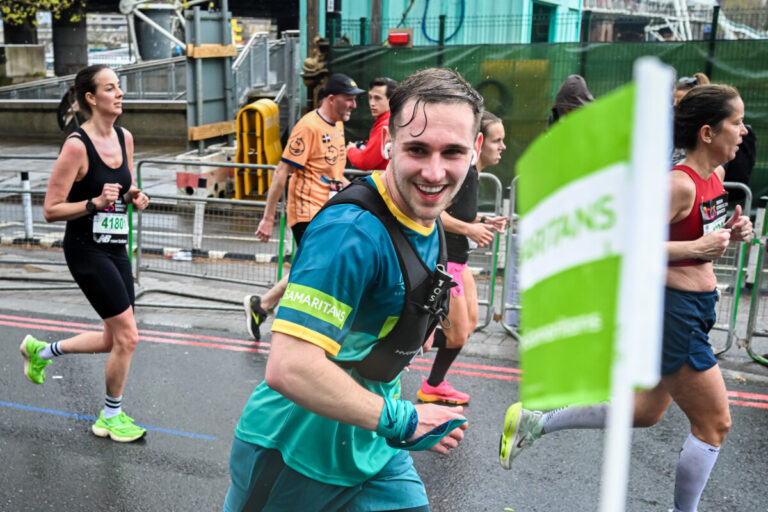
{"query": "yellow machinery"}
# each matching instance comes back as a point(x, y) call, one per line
point(258, 142)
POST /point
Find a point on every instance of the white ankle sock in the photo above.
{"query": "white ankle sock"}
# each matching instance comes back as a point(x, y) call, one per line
point(693, 468)
point(112, 406)
point(51, 350)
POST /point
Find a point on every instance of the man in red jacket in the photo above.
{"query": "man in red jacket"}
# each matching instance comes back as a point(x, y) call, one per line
point(369, 156)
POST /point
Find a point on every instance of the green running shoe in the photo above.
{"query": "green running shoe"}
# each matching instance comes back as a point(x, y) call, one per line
point(521, 428)
point(34, 365)
point(119, 428)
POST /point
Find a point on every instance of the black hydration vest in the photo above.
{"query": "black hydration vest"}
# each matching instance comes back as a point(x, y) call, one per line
point(426, 291)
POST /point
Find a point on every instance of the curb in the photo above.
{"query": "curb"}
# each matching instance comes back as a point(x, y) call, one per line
point(743, 377)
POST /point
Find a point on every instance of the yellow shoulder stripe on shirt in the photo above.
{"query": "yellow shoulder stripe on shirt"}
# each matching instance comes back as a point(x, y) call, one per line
point(399, 215)
point(303, 333)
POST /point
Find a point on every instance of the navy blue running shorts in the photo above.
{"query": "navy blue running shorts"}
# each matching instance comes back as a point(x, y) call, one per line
point(688, 318)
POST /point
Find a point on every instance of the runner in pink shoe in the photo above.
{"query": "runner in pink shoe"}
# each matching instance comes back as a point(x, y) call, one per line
point(463, 226)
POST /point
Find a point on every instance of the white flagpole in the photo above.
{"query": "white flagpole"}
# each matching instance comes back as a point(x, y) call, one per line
point(638, 341)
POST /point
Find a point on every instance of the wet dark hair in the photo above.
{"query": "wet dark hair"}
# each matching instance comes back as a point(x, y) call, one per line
point(85, 83)
point(387, 82)
point(486, 121)
point(432, 85)
point(702, 105)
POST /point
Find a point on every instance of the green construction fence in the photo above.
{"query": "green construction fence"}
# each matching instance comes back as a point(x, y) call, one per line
point(519, 82)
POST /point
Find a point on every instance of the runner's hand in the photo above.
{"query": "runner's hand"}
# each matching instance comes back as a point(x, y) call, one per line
point(109, 194)
point(740, 226)
point(713, 245)
point(432, 416)
point(480, 234)
point(138, 198)
point(496, 223)
point(264, 232)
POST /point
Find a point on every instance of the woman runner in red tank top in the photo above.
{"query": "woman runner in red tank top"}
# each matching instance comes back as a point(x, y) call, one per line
point(709, 125)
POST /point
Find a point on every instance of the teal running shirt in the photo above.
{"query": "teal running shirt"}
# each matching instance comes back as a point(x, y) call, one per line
point(345, 292)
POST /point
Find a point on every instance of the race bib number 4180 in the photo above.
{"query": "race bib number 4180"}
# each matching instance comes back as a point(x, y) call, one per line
point(110, 223)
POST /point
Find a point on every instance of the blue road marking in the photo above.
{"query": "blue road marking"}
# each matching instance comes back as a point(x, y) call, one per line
point(92, 418)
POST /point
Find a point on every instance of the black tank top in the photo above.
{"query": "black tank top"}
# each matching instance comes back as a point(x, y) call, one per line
point(91, 186)
point(463, 208)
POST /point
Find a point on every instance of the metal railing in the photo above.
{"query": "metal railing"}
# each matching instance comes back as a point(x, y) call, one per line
point(510, 292)
point(211, 238)
point(729, 270)
point(483, 261)
point(270, 68)
point(204, 237)
point(164, 79)
point(22, 224)
point(757, 321)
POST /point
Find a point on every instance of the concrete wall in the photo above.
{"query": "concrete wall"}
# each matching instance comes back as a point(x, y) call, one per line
point(149, 121)
point(21, 62)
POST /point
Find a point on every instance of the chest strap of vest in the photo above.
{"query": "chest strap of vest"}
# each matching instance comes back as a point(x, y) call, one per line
point(426, 298)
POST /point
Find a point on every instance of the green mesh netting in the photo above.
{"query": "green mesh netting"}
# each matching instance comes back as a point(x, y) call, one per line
point(519, 82)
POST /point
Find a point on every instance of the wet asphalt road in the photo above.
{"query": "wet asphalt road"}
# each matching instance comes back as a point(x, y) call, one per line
point(188, 388)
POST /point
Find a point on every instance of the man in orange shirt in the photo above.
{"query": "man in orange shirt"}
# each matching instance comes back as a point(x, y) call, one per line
point(314, 157)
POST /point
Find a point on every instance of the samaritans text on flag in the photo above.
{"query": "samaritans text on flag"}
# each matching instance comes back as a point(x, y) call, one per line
point(591, 203)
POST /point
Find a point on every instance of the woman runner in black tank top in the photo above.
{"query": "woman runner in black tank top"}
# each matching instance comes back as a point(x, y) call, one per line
point(462, 224)
point(90, 187)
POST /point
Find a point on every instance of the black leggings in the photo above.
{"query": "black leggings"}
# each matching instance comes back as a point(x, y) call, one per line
point(103, 273)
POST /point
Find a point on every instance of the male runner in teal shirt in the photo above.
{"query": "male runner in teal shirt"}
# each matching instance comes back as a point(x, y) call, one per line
point(317, 435)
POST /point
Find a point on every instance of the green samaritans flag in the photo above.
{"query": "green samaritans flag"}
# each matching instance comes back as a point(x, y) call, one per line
point(589, 209)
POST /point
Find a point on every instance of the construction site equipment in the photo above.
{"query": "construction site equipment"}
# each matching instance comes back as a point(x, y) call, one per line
point(258, 142)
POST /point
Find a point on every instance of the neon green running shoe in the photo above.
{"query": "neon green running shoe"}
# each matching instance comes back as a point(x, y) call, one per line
point(521, 428)
point(119, 428)
point(34, 365)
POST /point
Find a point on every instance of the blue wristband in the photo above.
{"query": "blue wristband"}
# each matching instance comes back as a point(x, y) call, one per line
point(398, 419)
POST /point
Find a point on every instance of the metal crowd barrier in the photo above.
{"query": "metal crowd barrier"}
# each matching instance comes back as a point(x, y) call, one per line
point(510, 293)
point(483, 261)
point(210, 238)
point(206, 238)
point(22, 224)
point(729, 270)
point(757, 321)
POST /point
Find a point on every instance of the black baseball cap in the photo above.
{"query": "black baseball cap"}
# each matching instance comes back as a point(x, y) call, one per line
point(339, 83)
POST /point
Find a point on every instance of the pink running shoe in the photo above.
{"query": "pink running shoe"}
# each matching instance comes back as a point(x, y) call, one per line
point(443, 392)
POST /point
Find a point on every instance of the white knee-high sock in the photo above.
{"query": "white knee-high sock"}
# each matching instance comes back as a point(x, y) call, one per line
point(592, 416)
point(693, 468)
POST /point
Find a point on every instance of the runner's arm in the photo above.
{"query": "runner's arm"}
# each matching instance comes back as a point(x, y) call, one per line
point(275, 192)
point(478, 232)
point(301, 372)
point(72, 161)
